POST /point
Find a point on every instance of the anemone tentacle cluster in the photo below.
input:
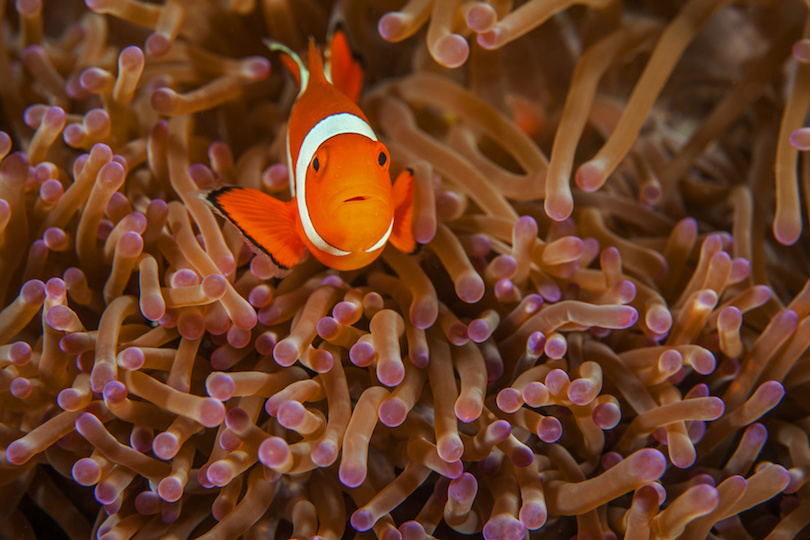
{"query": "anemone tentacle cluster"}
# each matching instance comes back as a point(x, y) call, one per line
point(604, 335)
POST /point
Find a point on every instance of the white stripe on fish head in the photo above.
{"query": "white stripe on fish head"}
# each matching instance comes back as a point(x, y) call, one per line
point(381, 242)
point(330, 126)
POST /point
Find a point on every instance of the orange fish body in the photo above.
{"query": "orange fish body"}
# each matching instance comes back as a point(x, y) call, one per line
point(344, 208)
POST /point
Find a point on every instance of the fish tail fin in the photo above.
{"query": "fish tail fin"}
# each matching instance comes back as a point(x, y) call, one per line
point(291, 61)
point(401, 235)
point(344, 67)
point(266, 224)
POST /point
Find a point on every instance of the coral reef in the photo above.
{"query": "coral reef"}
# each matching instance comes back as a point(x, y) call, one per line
point(604, 335)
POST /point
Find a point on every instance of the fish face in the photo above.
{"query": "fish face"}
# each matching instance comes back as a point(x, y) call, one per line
point(349, 194)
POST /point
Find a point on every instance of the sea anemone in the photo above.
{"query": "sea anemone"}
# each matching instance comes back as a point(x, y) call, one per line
point(605, 333)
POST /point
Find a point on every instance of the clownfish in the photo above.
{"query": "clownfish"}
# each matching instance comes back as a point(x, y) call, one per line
point(344, 207)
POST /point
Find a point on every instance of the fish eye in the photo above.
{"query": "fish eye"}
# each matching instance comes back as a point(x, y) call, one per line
point(316, 164)
point(382, 159)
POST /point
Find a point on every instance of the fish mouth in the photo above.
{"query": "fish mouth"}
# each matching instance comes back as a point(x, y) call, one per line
point(356, 199)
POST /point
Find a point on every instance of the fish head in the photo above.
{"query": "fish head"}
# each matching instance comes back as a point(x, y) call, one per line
point(349, 193)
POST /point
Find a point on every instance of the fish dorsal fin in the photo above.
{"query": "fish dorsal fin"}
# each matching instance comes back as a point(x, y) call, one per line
point(344, 68)
point(315, 62)
point(292, 62)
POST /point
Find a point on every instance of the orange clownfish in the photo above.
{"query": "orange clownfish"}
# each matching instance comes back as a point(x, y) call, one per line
point(344, 207)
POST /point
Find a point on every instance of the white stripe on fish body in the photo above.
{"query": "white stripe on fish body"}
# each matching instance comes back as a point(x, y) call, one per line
point(328, 127)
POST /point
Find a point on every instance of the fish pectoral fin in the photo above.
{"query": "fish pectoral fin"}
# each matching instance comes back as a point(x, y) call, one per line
point(266, 224)
point(401, 235)
point(344, 67)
